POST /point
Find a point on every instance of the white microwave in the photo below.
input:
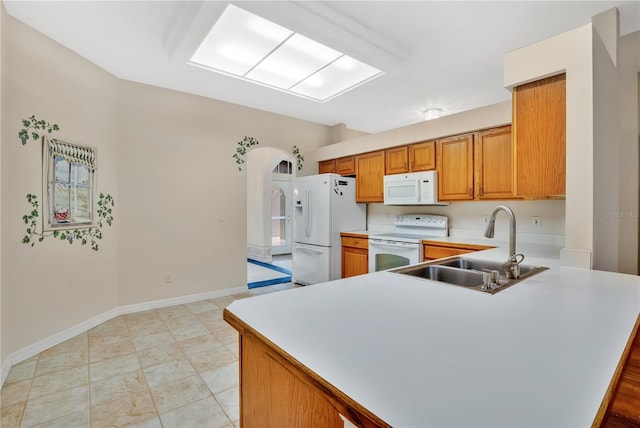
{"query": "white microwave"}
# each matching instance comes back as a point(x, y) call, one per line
point(414, 188)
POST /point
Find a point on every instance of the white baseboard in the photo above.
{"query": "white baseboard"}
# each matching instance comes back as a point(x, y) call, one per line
point(66, 334)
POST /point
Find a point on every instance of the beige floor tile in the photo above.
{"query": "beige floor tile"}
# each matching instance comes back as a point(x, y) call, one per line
point(117, 387)
point(76, 344)
point(11, 414)
point(221, 378)
point(182, 322)
point(223, 302)
point(219, 326)
point(212, 358)
point(16, 392)
point(22, 371)
point(130, 410)
point(210, 315)
point(173, 312)
point(75, 420)
point(199, 344)
point(113, 367)
point(168, 372)
point(205, 413)
point(190, 331)
point(154, 327)
point(234, 349)
point(230, 402)
point(149, 423)
point(114, 327)
point(59, 381)
point(54, 406)
point(153, 340)
point(176, 394)
point(152, 356)
point(201, 306)
point(62, 361)
point(105, 347)
point(139, 319)
point(227, 337)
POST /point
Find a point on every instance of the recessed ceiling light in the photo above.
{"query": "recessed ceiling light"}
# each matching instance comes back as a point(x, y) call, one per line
point(432, 113)
point(251, 48)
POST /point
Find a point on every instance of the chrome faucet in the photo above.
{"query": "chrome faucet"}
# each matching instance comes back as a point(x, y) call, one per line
point(511, 267)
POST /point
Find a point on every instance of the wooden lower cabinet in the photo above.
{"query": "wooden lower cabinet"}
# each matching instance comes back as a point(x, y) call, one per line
point(438, 250)
point(277, 391)
point(355, 254)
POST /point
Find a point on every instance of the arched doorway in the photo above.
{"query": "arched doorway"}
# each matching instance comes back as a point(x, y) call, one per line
point(270, 174)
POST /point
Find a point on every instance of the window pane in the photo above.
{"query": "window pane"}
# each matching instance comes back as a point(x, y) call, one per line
point(61, 193)
point(61, 171)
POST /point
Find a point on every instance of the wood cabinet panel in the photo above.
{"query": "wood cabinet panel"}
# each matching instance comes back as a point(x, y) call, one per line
point(422, 156)
point(455, 168)
point(439, 250)
point(327, 166)
point(346, 165)
point(539, 129)
point(396, 160)
point(494, 164)
point(355, 255)
point(276, 390)
point(369, 177)
point(272, 396)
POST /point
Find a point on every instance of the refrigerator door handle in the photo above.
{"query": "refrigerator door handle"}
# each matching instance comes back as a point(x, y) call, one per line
point(308, 250)
point(308, 208)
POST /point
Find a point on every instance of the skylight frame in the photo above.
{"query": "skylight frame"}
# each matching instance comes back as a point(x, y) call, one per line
point(241, 26)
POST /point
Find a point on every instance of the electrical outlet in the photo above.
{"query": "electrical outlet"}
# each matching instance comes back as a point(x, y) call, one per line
point(167, 278)
point(536, 222)
point(485, 219)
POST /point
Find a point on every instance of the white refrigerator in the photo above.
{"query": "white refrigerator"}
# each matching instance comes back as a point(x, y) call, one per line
point(324, 206)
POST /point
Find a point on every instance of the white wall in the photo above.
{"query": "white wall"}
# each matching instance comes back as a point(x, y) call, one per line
point(53, 285)
point(165, 156)
point(628, 216)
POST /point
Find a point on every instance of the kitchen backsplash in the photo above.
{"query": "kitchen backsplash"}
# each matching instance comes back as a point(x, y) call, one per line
point(466, 219)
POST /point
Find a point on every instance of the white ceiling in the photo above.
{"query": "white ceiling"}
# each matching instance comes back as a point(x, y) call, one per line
point(444, 54)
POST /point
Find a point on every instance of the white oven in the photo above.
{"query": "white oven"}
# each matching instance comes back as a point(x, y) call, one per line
point(404, 246)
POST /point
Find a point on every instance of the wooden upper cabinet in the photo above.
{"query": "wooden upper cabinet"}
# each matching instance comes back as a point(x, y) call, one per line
point(396, 160)
point(539, 132)
point(455, 168)
point(346, 165)
point(327, 166)
point(422, 156)
point(494, 164)
point(369, 177)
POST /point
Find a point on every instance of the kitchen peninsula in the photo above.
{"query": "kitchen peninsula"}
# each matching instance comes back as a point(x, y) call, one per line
point(384, 349)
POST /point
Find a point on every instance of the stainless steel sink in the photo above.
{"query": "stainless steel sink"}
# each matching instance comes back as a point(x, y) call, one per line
point(468, 273)
point(464, 278)
point(486, 265)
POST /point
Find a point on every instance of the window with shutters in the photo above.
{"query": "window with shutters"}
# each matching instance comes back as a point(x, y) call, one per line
point(69, 185)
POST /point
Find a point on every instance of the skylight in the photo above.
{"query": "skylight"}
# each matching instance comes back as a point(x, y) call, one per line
point(251, 48)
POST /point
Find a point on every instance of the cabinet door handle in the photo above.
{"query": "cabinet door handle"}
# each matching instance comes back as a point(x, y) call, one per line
point(471, 193)
point(481, 191)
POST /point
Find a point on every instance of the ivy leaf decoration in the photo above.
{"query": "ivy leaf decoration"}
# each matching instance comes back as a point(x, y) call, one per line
point(241, 150)
point(86, 236)
point(299, 158)
point(32, 126)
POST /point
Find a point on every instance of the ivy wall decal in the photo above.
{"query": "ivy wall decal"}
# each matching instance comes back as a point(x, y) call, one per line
point(86, 235)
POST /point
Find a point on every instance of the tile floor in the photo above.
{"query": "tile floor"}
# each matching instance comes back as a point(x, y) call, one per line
point(170, 367)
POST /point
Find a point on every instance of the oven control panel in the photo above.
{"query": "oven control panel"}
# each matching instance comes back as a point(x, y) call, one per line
point(422, 220)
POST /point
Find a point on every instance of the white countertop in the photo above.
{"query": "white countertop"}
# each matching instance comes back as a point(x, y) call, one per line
point(418, 353)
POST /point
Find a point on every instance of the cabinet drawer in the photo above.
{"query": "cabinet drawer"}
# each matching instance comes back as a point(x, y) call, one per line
point(349, 241)
point(431, 253)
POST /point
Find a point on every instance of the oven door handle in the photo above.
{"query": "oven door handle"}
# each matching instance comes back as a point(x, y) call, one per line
point(380, 243)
